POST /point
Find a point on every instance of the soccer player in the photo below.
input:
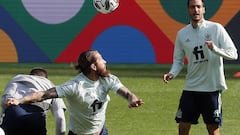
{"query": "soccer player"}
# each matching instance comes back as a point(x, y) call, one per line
point(30, 119)
point(87, 95)
point(204, 44)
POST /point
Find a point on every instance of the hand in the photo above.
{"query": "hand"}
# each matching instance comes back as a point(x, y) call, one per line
point(11, 101)
point(135, 103)
point(209, 44)
point(167, 77)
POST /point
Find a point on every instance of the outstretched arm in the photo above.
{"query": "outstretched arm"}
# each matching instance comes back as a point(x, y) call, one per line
point(133, 101)
point(34, 97)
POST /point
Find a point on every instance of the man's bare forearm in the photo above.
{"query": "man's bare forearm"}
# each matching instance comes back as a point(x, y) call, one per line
point(133, 101)
point(39, 96)
point(34, 97)
point(125, 93)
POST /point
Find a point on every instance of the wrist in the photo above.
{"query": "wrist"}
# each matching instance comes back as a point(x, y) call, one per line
point(20, 101)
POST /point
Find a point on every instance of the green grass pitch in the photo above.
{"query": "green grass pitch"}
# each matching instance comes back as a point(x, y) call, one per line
point(156, 116)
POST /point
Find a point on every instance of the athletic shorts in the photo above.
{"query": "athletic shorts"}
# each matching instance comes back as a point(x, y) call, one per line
point(193, 104)
point(103, 132)
point(24, 119)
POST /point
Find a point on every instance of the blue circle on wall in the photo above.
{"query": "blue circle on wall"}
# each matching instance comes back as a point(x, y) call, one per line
point(124, 44)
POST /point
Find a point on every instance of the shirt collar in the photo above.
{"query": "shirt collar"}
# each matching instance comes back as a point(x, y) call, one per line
point(200, 25)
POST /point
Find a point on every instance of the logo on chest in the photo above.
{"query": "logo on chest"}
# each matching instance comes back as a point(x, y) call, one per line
point(198, 52)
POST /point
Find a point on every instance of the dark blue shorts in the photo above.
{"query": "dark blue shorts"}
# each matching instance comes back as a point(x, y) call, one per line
point(194, 104)
point(24, 119)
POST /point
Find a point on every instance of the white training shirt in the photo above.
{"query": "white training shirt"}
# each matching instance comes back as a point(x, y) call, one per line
point(22, 85)
point(87, 101)
point(205, 72)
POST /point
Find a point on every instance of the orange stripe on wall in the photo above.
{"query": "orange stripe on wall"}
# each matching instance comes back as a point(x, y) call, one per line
point(155, 11)
point(8, 51)
point(169, 26)
point(227, 11)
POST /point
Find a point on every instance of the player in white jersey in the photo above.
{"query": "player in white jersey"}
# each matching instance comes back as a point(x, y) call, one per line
point(87, 95)
point(204, 44)
point(29, 119)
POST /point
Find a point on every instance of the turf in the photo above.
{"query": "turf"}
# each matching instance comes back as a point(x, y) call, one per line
point(156, 116)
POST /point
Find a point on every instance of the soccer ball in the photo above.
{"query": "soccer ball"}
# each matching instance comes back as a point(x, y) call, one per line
point(105, 6)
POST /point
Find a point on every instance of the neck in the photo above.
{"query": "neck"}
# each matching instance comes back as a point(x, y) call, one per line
point(196, 23)
point(93, 76)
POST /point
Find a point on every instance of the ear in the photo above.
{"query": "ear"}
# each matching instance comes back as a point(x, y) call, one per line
point(93, 67)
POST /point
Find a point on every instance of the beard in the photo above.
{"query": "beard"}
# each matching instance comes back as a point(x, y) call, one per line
point(196, 18)
point(104, 73)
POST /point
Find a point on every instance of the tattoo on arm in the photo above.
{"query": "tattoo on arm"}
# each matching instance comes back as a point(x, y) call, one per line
point(51, 93)
point(39, 96)
point(124, 93)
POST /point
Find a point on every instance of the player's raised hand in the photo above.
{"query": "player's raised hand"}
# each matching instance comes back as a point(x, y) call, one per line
point(135, 103)
point(210, 44)
point(167, 77)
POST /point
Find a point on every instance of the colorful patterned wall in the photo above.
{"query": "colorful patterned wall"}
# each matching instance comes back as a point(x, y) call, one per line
point(139, 31)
